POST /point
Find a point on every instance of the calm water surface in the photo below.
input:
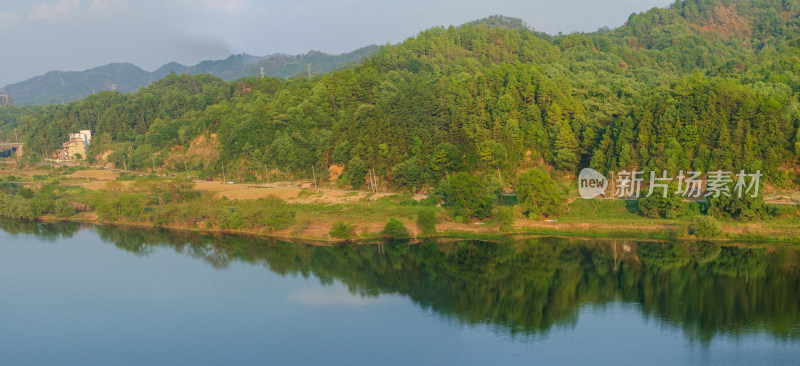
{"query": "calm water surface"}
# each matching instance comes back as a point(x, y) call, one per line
point(72, 295)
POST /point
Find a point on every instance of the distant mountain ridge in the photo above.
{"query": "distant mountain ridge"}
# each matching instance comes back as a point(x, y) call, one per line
point(57, 87)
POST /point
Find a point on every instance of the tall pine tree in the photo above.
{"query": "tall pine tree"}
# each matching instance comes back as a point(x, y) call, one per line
point(566, 148)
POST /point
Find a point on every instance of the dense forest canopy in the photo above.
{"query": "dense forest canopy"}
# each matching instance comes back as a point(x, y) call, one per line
point(702, 84)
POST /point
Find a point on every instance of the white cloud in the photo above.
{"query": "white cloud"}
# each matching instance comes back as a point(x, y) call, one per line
point(54, 12)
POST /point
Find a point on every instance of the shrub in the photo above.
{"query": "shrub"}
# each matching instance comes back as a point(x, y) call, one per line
point(26, 193)
point(43, 204)
point(658, 206)
point(743, 208)
point(341, 230)
point(426, 221)
point(277, 214)
point(395, 229)
point(15, 207)
point(103, 208)
point(130, 206)
point(6, 187)
point(505, 218)
point(64, 209)
point(782, 211)
point(705, 227)
point(236, 221)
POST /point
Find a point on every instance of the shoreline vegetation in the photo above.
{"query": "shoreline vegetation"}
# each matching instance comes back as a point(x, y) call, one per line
point(324, 217)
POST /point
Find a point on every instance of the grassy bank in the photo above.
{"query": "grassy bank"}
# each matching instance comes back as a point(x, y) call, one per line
point(76, 194)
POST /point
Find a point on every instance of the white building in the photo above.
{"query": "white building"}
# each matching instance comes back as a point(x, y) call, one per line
point(85, 135)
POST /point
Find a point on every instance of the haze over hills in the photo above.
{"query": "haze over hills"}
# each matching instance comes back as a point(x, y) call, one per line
point(59, 87)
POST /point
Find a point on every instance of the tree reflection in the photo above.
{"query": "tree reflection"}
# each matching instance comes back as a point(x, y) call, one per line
point(48, 232)
point(527, 287)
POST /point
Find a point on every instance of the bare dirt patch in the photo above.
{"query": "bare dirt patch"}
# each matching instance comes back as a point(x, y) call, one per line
point(103, 175)
point(245, 192)
point(334, 171)
point(204, 147)
point(115, 186)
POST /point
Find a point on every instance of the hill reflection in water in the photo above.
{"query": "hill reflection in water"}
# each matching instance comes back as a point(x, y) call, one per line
point(522, 288)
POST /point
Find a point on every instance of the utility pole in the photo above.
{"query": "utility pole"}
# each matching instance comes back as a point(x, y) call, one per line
point(44, 155)
point(262, 72)
point(224, 180)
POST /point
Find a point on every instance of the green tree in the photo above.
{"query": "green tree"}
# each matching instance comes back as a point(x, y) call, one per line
point(467, 195)
point(797, 142)
point(426, 221)
point(566, 148)
point(538, 194)
point(407, 174)
point(395, 229)
point(356, 171)
point(658, 205)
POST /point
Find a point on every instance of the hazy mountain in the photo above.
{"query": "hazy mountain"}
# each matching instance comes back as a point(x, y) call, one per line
point(56, 87)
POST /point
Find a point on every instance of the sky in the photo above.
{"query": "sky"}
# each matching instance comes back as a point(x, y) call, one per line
point(38, 36)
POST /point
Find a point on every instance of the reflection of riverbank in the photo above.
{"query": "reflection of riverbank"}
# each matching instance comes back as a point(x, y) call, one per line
point(455, 231)
point(524, 287)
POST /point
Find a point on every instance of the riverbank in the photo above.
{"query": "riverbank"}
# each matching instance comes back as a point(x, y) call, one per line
point(293, 211)
point(780, 231)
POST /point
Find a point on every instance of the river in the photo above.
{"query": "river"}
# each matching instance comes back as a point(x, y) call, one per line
point(93, 295)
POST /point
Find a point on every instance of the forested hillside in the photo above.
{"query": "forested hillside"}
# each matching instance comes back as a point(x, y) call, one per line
point(703, 85)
